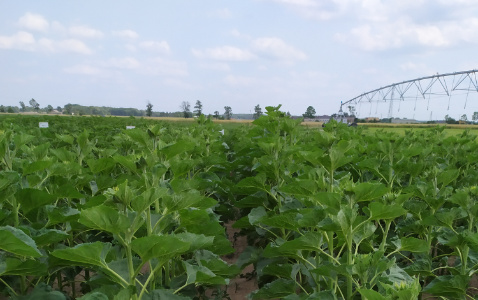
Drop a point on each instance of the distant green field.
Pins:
(402, 130)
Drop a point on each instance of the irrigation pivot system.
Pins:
(423, 88)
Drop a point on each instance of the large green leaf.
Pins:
(446, 177)
(69, 191)
(84, 254)
(368, 294)
(42, 292)
(36, 166)
(411, 244)
(310, 241)
(49, 236)
(15, 241)
(100, 164)
(28, 267)
(63, 154)
(368, 191)
(448, 286)
(278, 270)
(276, 289)
(31, 199)
(161, 247)
(128, 162)
(379, 211)
(164, 295)
(147, 198)
(65, 138)
(216, 264)
(196, 241)
(202, 275)
(93, 296)
(22, 138)
(324, 295)
(256, 215)
(287, 220)
(104, 218)
(250, 185)
(183, 200)
(8, 178)
(177, 148)
(329, 200)
(57, 215)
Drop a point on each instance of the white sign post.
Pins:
(43, 124)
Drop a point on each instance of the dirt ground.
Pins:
(239, 287)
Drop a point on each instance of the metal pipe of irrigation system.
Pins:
(409, 81)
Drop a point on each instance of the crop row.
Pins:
(90, 210)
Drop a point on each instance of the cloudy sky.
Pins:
(236, 53)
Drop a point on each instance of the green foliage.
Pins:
(309, 113)
(332, 213)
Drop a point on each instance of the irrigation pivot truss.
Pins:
(423, 88)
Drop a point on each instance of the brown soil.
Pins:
(239, 287)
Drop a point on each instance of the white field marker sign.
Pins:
(43, 124)
(221, 131)
(130, 127)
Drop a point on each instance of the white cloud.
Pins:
(302, 3)
(380, 36)
(161, 46)
(72, 45)
(176, 83)
(225, 53)
(123, 63)
(410, 66)
(130, 47)
(85, 32)
(57, 27)
(219, 66)
(240, 81)
(163, 67)
(321, 10)
(222, 13)
(33, 22)
(431, 36)
(68, 45)
(236, 33)
(277, 48)
(127, 33)
(21, 41)
(83, 70)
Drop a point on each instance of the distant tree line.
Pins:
(185, 112)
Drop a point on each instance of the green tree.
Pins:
(49, 108)
(475, 116)
(23, 107)
(186, 109)
(34, 104)
(216, 114)
(463, 118)
(2, 108)
(68, 109)
(198, 108)
(227, 112)
(149, 109)
(450, 120)
(59, 108)
(309, 113)
(10, 110)
(257, 112)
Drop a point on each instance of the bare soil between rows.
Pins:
(241, 286)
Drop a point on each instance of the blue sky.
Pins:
(236, 53)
